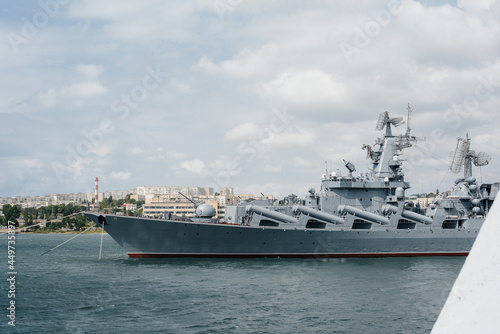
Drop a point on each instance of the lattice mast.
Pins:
(464, 157)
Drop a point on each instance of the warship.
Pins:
(368, 215)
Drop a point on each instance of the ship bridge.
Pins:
(383, 183)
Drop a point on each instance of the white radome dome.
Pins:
(205, 211)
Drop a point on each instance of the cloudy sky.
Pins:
(255, 95)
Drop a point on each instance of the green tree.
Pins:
(67, 221)
(70, 209)
(53, 211)
(29, 214)
(79, 222)
(11, 213)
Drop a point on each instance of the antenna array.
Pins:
(462, 153)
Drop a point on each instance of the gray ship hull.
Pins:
(145, 237)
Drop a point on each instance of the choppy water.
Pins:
(70, 290)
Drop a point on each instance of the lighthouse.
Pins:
(96, 200)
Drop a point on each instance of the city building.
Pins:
(117, 194)
(158, 199)
(172, 190)
(178, 205)
(53, 199)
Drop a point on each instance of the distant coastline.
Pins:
(97, 230)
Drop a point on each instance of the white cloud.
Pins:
(47, 98)
(304, 88)
(102, 48)
(194, 166)
(103, 148)
(174, 155)
(30, 163)
(268, 188)
(299, 162)
(487, 142)
(84, 90)
(475, 4)
(273, 168)
(132, 22)
(179, 86)
(121, 176)
(267, 139)
(246, 63)
(137, 150)
(296, 138)
(242, 132)
(89, 71)
(159, 154)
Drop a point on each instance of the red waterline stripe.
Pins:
(345, 255)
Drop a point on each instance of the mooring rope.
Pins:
(102, 235)
(20, 228)
(39, 224)
(88, 228)
(73, 214)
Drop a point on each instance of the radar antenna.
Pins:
(481, 159)
(457, 157)
(381, 121)
(464, 156)
(385, 121)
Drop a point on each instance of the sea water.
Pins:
(71, 290)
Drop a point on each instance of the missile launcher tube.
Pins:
(408, 214)
(372, 217)
(271, 214)
(317, 214)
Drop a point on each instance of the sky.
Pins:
(261, 96)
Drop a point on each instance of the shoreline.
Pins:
(66, 232)
(96, 230)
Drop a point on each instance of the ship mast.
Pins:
(386, 161)
(408, 129)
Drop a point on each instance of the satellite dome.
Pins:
(471, 179)
(477, 210)
(205, 211)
